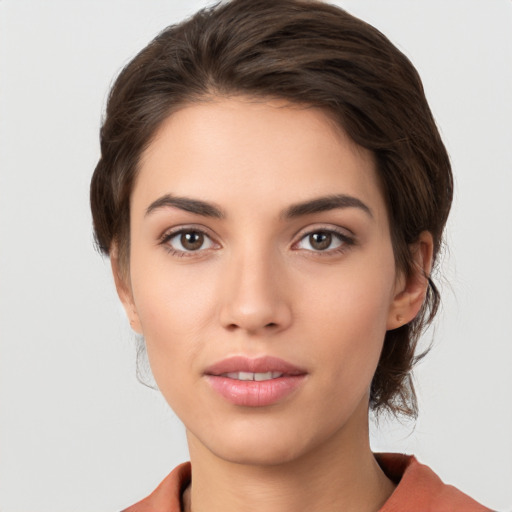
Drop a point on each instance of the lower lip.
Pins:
(250, 393)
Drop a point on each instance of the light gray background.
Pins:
(78, 433)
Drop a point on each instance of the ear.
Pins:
(410, 291)
(124, 290)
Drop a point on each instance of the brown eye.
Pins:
(192, 240)
(321, 240)
(188, 241)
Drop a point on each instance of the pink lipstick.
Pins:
(254, 382)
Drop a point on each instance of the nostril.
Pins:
(235, 326)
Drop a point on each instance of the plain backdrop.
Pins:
(77, 431)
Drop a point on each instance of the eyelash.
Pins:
(345, 241)
(169, 235)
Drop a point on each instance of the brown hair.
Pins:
(310, 53)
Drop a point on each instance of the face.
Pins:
(262, 277)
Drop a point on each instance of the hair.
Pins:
(308, 53)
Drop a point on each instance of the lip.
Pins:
(254, 365)
(250, 393)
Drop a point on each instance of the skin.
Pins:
(260, 285)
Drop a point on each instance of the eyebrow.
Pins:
(317, 205)
(323, 204)
(187, 204)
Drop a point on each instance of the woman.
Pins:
(272, 193)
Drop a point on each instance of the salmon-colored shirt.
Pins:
(418, 489)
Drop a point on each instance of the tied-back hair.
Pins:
(312, 54)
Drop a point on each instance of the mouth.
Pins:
(256, 382)
(260, 368)
(258, 377)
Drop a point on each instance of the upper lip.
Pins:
(253, 365)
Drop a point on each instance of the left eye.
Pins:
(321, 241)
(189, 241)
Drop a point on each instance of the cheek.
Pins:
(174, 307)
(170, 296)
(357, 296)
(348, 317)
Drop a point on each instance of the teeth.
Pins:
(263, 376)
(253, 376)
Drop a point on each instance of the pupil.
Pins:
(192, 240)
(320, 241)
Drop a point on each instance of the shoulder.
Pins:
(419, 488)
(167, 496)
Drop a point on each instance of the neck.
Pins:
(341, 474)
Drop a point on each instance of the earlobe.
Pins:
(411, 290)
(124, 291)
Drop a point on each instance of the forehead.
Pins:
(247, 151)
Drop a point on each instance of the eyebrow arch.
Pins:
(323, 204)
(187, 204)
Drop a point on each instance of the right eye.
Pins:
(188, 241)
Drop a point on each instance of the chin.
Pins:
(278, 435)
(259, 453)
(259, 443)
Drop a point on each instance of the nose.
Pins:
(254, 297)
